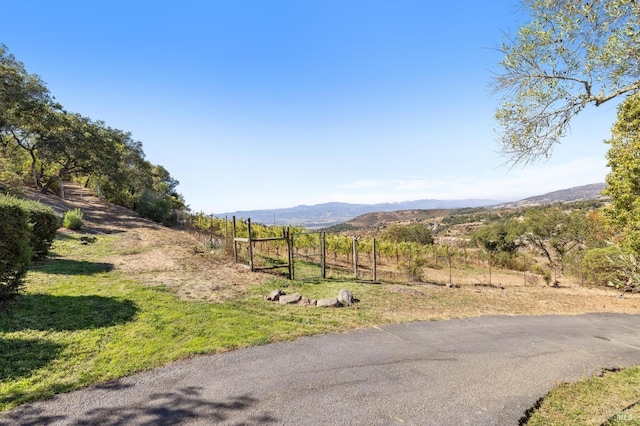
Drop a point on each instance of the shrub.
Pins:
(415, 233)
(598, 267)
(156, 207)
(627, 266)
(414, 268)
(44, 226)
(512, 261)
(15, 248)
(73, 219)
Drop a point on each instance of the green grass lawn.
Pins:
(610, 399)
(79, 322)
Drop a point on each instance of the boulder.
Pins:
(275, 295)
(290, 298)
(345, 297)
(330, 302)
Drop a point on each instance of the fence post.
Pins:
(355, 257)
(435, 254)
(250, 245)
(465, 256)
(490, 266)
(375, 261)
(449, 260)
(211, 224)
(290, 253)
(235, 243)
(323, 255)
(226, 236)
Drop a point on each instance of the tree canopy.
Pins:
(42, 143)
(415, 233)
(624, 179)
(572, 53)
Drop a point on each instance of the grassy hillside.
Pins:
(142, 295)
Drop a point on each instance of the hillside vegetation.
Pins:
(140, 295)
(44, 146)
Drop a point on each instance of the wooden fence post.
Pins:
(375, 261)
(235, 243)
(449, 261)
(290, 253)
(323, 255)
(355, 257)
(250, 245)
(490, 266)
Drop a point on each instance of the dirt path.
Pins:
(154, 253)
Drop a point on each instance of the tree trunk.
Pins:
(45, 189)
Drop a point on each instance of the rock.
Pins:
(345, 297)
(313, 302)
(87, 239)
(304, 301)
(290, 298)
(275, 295)
(331, 302)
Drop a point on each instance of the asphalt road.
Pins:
(478, 371)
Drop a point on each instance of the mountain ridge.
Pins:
(591, 191)
(333, 213)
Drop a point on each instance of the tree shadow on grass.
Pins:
(168, 408)
(20, 357)
(71, 267)
(66, 313)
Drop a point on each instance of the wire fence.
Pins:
(303, 255)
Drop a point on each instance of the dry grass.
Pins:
(157, 255)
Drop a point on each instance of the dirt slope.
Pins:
(152, 252)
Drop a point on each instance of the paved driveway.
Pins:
(477, 371)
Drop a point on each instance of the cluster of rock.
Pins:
(345, 298)
(88, 239)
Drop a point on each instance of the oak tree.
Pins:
(572, 53)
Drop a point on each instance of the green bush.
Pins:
(414, 268)
(156, 207)
(598, 267)
(627, 276)
(73, 219)
(511, 261)
(414, 233)
(44, 226)
(15, 248)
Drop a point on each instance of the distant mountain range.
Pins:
(578, 193)
(328, 214)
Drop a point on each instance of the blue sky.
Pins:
(269, 104)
